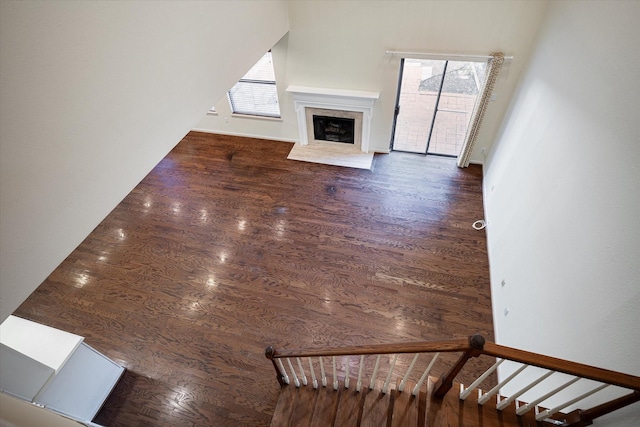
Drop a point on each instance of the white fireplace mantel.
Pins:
(333, 99)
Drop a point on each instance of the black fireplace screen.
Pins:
(333, 129)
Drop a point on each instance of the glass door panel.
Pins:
(448, 133)
(457, 98)
(416, 102)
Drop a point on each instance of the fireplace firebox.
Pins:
(334, 129)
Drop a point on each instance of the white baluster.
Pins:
(525, 408)
(314, 381)
(482, 400)
(465, 393)
(506, 402)
(302, 373)
(296, 381)
(424, 375)
(549, 412)
(375, 373)
(335, 376)
(406, 375)
(385, 387)
(346, 375)
(359, 384)
(285, 377)
(324, 376)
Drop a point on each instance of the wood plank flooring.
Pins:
(227, 247)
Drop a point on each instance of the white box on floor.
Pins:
(54, 369)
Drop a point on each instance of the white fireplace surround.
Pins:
(333, 99)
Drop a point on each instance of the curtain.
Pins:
(494, 64)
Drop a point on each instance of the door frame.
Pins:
(435, 112)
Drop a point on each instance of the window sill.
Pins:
(250, 116)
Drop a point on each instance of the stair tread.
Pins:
(285, 405)
(325, 407)
(453, 412)
(406, 407)
(324, 411)
(303, 411)
(376, 408)
(349, 406)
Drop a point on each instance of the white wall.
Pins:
(561, 194)
(93, 95)
(342, 45)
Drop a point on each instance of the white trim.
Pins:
(449, 56)
(333, 92)
(256, 116)
(244, 135)
(333, 99)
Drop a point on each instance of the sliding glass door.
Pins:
(434, 104)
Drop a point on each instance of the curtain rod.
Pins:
(443, 55)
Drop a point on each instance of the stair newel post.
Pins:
(269, 353)
(444, 384)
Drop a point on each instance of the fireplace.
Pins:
(324, 126)
(334, 129)
(344, 116)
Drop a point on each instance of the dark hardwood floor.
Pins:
(227, 247)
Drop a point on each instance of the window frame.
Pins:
(253, 81)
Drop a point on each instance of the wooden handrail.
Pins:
(564, 366)
(475, 346)
(471, 347)
(587, 416)
(460, 344)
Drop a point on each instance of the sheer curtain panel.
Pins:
(494, 64)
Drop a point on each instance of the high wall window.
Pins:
(255, 94)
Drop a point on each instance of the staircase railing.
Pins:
(404, 372)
